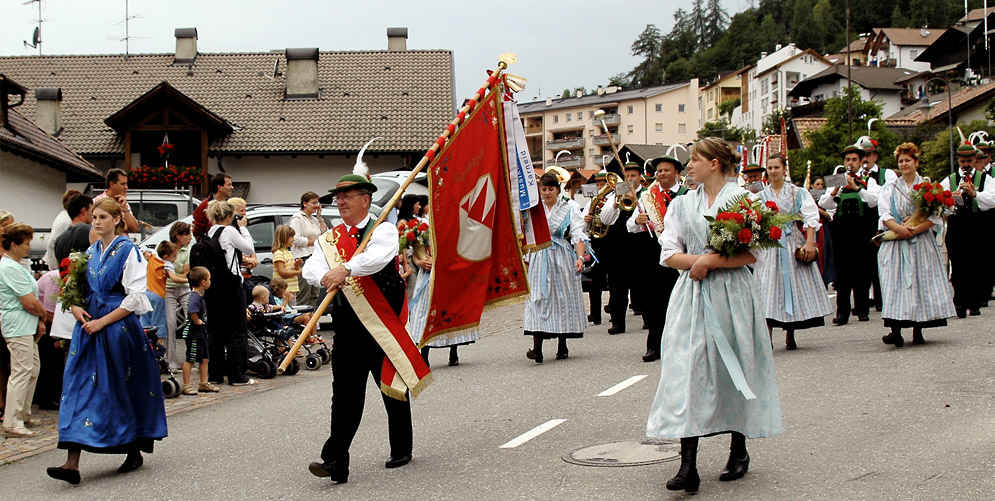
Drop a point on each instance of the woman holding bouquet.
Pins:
(555, 308)
(914, 285)
(717, 368)
(794, 296)
(112, 397)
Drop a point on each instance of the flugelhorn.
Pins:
(597, 228)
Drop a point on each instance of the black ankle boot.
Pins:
(687, 478)
(894, 337)
(453, 356)
(739, 459)
(917, 336)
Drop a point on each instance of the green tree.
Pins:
(728, 106)
(566, 93)
(805, 30)
(899, 19)
(619, 79)
(721, 129)
(826, 142)
(678, 71)
(715, 22)
(647, 47)
(829, 27)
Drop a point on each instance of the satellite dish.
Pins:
(35, 39)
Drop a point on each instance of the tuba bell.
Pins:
(597, 228)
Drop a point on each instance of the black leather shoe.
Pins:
(616, 329)
(560, 355)
(840, 320)
(607, 309)
(594, 320)
(338, 473)
(453, 362)
(863, 318)
(899, 340)
(131, 463)
(735, 467)
(789, 342)
(651, 356)
(917, 338)
(975, 312)
(889, 339)
(394, 462)
(961, 312)
(60, 473)
(531, 355)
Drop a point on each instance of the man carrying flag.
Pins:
(369, 335)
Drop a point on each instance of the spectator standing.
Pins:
(221, 189)
(177, 293)
(51, 354)
(61, 223)
(117, 190)
(308, 225)
(22, 318)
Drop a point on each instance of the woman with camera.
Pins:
(794, 297)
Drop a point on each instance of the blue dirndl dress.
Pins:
(556, 304)
(112, 398)
(717, 365)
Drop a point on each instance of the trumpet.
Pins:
(597, 228)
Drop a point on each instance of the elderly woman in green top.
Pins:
(23, 319)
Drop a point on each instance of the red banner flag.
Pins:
(477, 258)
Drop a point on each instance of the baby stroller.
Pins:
(267, 345)
(170, 386)
(277, 331)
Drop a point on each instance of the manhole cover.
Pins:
(627, 453)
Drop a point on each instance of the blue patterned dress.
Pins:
(556, 307)
(717, 365)
(418, 315)
(794, 296)
(914, 285)
(111, 394)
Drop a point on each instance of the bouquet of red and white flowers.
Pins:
(414, 234)
(745, 224)
(72, 281)
(930, 199)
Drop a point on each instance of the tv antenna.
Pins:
(36, 35)
(127, 33)
(272, 75)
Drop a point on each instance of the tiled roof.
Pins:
(406, 97)
(939, 107)
(593, 99)
(976, 14)
(804, 125)
(911, 36)
(868, 77)
(28, 140)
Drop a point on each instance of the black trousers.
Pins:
(855, 263)
(618, 289)
(53, 364)
(356, 356)
(226, 331)
(661, 281)
(970, 275)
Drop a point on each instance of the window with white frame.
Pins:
(659, 107)
(556, 119)
(629, 129)
(629, 109)
(569, 117)
(659, 127)
(680, 108)
(682, 128)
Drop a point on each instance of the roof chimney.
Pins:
(601, 90)
(49, 110)
(302, 74)
(186, 46)
(578, 93)
(549, 101)
(763, 55)
(397, 39)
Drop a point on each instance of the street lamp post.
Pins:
(950, 115)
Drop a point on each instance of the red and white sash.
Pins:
(403, 368)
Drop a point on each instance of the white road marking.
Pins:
(621, 386)
(533, 433)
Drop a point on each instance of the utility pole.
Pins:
(849, 83)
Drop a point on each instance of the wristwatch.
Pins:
(348, 269)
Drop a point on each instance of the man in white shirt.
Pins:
(355, 353)
(117, 190)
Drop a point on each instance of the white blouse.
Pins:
(305, 227)
(230, 240)
(133, 278)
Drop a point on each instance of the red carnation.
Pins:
(947, 194)
(917, 186)
(775, 233)
(928, 197)
(423, 227)
(738, 217)
(940, 199)
(949, 202)
(744, 236)
(928, 186)
(64, 267)
(410, 235)
(723, 216)
(771, 205)
(413, 223)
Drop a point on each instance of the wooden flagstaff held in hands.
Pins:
(429, 155)
(600, 115)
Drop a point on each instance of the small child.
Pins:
(196, 332)
(279, 287)
(167, 252)
(284, 264)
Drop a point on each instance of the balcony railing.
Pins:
(569, 162)
(574, 143)
(602, 140)
(610, 120)
(533, 129)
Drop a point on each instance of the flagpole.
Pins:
(425, 160)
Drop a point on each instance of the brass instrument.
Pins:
(808, 176)
(597, 228)
(629, 200)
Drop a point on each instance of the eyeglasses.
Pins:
(337, 198)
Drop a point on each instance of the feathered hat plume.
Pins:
(361, 169)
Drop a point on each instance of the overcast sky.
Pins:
(559, 44)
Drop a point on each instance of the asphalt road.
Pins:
(862, 421)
